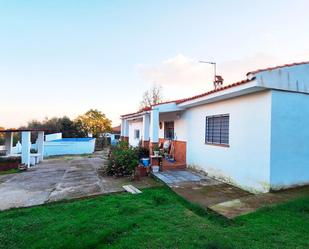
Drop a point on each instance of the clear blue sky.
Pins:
(64, 57)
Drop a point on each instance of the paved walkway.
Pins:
(248, 204)
(61, 179)
(174, 177)
(220, 197)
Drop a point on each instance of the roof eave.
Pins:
(228, 93)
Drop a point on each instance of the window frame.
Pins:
(165, 131)
(220, 143)
(137, 131)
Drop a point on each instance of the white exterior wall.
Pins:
(290, 139)
(246, 163)
(135, 125)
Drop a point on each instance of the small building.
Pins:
(253, 133)
(114, 135)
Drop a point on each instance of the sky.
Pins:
(64, 57)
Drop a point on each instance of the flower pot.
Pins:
(142, 171)
(155, 168)
(156, 153)
(145, 161)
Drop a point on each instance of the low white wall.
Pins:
(290, 139)
(246, 163)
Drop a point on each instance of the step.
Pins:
(166, 165)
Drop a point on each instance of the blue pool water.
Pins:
(85, 139)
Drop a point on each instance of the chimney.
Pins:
(218, 82)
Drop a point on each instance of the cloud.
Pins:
(177, 71)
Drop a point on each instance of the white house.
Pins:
(253, 133)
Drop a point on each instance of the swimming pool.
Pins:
(84, 139)
(69, 146)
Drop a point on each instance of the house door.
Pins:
(169, 130)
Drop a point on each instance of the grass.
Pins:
(9, 171)
(157, 218)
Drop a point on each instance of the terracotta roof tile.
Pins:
(214, 91)
(116, 129)
(140, 111)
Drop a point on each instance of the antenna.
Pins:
(218, 80)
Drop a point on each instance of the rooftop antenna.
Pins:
(218, 80)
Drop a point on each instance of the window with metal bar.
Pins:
(217, 129)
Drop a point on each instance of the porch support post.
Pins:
(9, 143)
(146, 126)
(40, 144)
(122, 129)
(26, 144)
(154, 126)
(126, 130)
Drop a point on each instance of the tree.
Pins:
(1, 136)
(65, 125)
(94, 122)
(152, 96)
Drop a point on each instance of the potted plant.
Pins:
(143, 155)
(156, 150)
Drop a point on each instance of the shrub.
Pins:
(123, 160)
(7, 163)
(142, 152)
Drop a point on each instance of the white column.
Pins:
(40, 144)
(26, 145)
(154, 125)
(146, 126)
(8, 143)
(122, 128)
(126, 128)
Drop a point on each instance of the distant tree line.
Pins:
(65, 125)
(92, 122)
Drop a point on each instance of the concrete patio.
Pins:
(61, 178)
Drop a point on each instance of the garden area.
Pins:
(125, 160)
(157, 218)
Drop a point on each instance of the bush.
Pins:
(123, 160)
(142, 152)
(8, 163)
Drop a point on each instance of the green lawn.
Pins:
(155, 219)
(10, 171)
